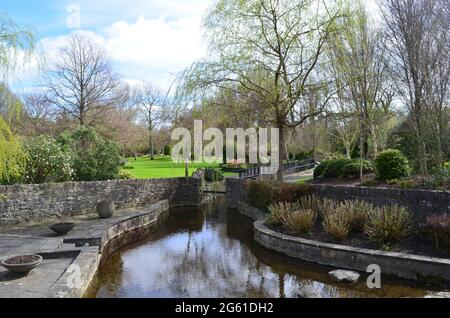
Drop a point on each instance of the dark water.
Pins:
(209, 252)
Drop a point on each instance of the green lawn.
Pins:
(161, 167)
(304, 179)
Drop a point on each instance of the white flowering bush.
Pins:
(47, 161)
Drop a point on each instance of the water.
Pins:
(209, 252)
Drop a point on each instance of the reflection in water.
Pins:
(209, 252)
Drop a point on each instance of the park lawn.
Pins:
(161, 167)
(303, 179)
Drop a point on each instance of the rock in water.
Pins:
(344, 276)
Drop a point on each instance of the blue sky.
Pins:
(146, 39)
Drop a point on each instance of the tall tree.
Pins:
(417, 33)
(360, 71)
(269, 49)
(152, 106)
(82, 83)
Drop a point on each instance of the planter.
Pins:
(105, 209)
(62, 228)
(22, 264)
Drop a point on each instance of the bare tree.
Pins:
(38, 114)
(83, 84)
(417, 31)
(152, 105)
(269, 49)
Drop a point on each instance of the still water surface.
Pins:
(209, 252)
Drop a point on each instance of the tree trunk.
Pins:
(151, 152)
(281, 154)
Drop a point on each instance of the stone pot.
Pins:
(22, 264)
(62, 228)
(105, 209)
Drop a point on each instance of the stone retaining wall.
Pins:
(414, 267)
(24, 203)
(420, 202)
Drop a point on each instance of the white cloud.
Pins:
(158, 44)
(148, 49)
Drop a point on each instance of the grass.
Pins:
(162, 167)
(303, 179)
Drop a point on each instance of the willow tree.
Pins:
(12, 156)
(17, 44)
(17, 47)
(269, 49)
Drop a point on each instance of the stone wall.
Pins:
(24, 203)
(236, 191)
(420, 202)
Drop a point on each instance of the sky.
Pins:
(146, 40)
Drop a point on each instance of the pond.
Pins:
(209, 252)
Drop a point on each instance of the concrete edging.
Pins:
(79, 275)
(408, 266)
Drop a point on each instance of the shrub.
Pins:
(340, 168)
(94, 157)
(327, 206)
(280, 211)
(407, 184)
(167, 150)
(439, 229)
(300, 221)
(336, 225)
(260, 194)
(12, 156)
(47, 161)
(388, 224)
(352, 168)
(302, 155)
(290, 192)
(356, 213)
(213, 175)
(310, 202)
(368, 183)
(125, 175)
(391, 164)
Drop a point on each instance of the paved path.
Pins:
(293, 178)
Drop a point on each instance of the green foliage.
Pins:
(302, 155)
(47, 161)
(388, 224)
(167, 150)
(342, 168)
(213, 175)
(260, 194)
(94, 157)
(12, 156)
(125, 175)
(392, 164)
(368, 183)
(15, 43)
